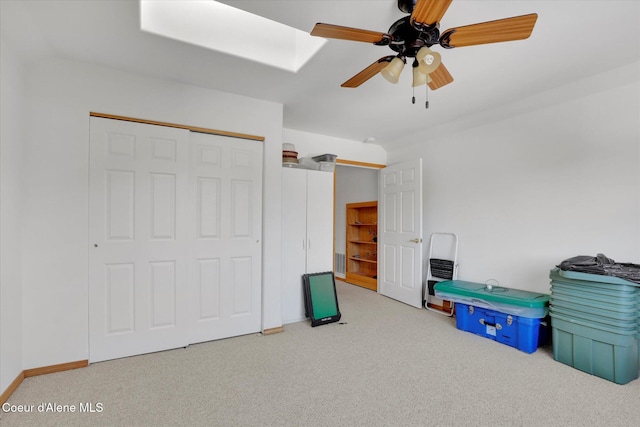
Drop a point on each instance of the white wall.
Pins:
(60, 95)
(11, 142)
(311, 144)
(529, 191)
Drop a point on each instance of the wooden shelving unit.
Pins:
(362, 245)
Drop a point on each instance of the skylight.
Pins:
(226, 29)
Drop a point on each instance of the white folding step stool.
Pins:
(442, 265)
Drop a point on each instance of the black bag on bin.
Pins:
(601, 264)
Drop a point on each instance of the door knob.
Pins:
(416, 240)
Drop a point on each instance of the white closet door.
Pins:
(138, 251)
(225, 278)
(319, 222)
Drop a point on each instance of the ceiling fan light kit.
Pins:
(392, 72)
(428, 60)
(419, 78)
(412, 37)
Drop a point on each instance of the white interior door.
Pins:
(400, 232)
(138, 251)
(225, 275)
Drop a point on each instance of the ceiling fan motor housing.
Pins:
(406, 6)
(407, 40)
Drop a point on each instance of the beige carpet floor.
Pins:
(384, 364)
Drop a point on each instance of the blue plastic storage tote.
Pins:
(522, 333)
(508, 316)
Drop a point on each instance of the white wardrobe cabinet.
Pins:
(307, 233)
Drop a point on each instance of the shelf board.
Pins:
(362, 226)
(373, 261)
(366, 281)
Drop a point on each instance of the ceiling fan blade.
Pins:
(501, 30)
(368, 72)
(429, 12)
(440, 77)
(347, 33)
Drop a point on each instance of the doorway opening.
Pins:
(353, 183)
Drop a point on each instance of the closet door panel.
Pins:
(294, 243)
(319, 222)
(225, 275)
(138, 248)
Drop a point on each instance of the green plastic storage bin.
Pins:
(594, 280)
(607, 354)
(607, 322)
(629, 315)
(588, 304)
(592, 322)
(610, 297)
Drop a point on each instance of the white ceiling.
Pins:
(572, 40)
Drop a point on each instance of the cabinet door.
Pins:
(319, 222)
(294, 242)
(307, 234)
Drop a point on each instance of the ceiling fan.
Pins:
(412, 37)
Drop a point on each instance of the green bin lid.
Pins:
(623, 300)
(586, 278)
(497, 294)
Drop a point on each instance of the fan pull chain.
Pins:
(426, 94)
(413, 98)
